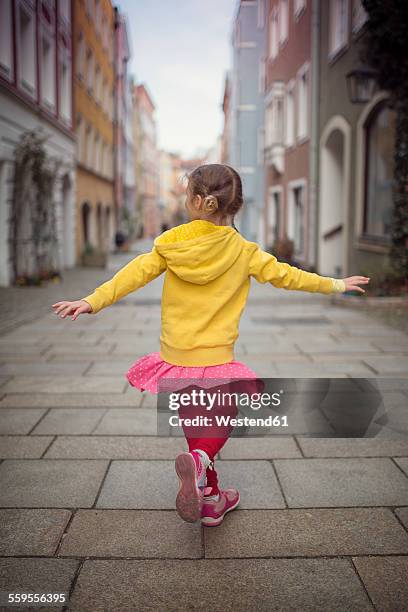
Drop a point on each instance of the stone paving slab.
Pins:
(40, 483)
(112, 366)
(8, 350)
(255, 480)
(313, 483)
(389, 364)
(65, 384)
(154, 484)
(23, 447)
(352, 447)
(37, 368)
(403, 463)
(270, 585)
(72, 348)
(128, 421)
(33, 575)
(31, 531)
(307, 533)
(282, 447)
(385, 579)
(402, 514)
(71, 421)
(19, 421)
(122, 533)
(71, 400)
(115, 447)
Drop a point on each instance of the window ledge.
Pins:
(336, 55)
(365, 244)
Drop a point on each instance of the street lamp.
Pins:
(361, 84)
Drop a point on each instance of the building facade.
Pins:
(356, 152)
(149, 161)
(246, 109)
(93, 85)
(288, 118)
(36, 94)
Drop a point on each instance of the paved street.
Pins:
(87, 489)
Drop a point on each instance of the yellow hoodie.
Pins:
(208, 273)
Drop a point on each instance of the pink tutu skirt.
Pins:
(146, 372)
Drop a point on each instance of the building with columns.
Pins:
(93, 86)
(36, 94)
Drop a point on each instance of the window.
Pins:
(283, 21)
(65, 90)
(298, 7)
(97, 166)
(380, 144)
(90, 71)
(6, 42)
(26, 48)
(359, 16)
(274, 122)
(104, 32)
(89, 146)
(48, 71)
(80, 138)
(80, 55)
(65, 10)
(98, 78)
(90, 8)
(274, 215)
(290, 115)
(338, 26)
(303, 104)
(98, 16)
(273, 34)
(297, 191)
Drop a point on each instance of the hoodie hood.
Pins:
(199, 251)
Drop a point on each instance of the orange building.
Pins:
(93, 85)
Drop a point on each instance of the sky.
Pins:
(181, 51)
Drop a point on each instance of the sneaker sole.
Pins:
(189, 500)
(209, 521)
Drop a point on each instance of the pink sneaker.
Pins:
(213, 511)
(191, 471)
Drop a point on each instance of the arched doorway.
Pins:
(67, 229)
(86, 222)
(99, 226)
(334, 197)
(108, 229)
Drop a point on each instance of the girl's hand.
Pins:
(352, 283)
(75, 308)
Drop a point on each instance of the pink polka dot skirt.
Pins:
(146, 372)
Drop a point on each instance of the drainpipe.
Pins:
(314, 142)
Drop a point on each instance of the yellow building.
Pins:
(93, 84)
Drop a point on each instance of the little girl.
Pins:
(208, 266)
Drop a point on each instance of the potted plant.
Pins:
(93, 257)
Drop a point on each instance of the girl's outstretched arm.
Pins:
(134, 275)
(265, 268)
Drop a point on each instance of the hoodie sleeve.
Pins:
(265, 268)
(134, 275)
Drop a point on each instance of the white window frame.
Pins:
(29, 85)
(6, 40)
(274, 33)
(334, 23)
(283, 21)
(359, 16)
(290, 114)
(303, 114)
(292, 185)
(298, 7)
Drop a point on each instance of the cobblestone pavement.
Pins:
(87, 488)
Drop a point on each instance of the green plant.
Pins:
(89, 249)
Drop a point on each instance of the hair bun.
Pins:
(210, 204)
